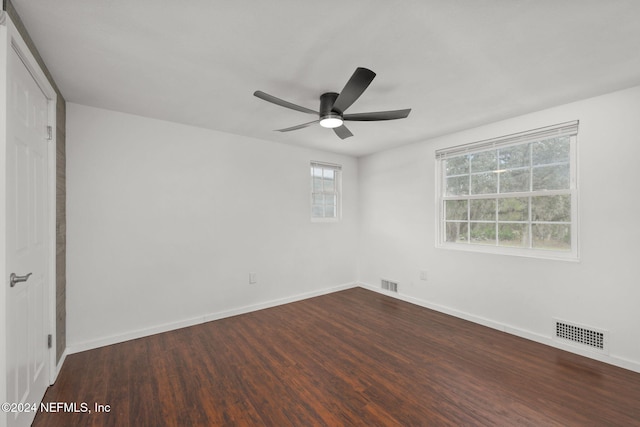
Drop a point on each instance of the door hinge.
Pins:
(49, 341)
(49, 133)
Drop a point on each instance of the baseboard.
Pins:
(59, 365)
(276, 302)
(145, 332)
(532, 336)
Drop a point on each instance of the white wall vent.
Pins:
(584, 336)
(388, 285)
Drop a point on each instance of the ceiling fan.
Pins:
(333, 105)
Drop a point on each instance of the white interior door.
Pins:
(27, 234)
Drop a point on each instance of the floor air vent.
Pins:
(592, 338)
(388, 285)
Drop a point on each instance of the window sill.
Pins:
(325, 219)
(570, 256)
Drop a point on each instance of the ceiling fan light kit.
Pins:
(331, 120)
(333, 105)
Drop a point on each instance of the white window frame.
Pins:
(335, 192)
(568, 129)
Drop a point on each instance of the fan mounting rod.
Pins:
(328, 117)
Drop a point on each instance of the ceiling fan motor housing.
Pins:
(326, 105)
(329, 118)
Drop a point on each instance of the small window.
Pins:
(325, 191)
(512, 195)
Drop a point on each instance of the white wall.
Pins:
(519, 295)
(166, 221)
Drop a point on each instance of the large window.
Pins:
(513, 195)
(325, 191)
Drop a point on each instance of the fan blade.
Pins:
(359, 81)
(378, 115)
(342, 132)
(304, 125)
(282, 102)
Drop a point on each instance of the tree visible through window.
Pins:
(325, 191)
(514, 192)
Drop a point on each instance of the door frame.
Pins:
(10, 38)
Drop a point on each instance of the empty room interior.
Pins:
(298, 213)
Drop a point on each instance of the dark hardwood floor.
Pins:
(350, 358)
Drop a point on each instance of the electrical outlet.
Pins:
(423, 275)
(253, 278)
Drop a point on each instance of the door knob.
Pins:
(14, 280)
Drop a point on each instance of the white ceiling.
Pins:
(457, 64)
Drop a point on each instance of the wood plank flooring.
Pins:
(352, 358)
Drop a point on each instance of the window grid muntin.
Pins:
(496, 221)
(329, 191)
(499, 172)
(571, 191)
